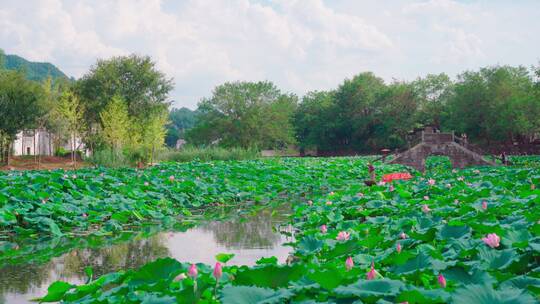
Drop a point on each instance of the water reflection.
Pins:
(250, 238)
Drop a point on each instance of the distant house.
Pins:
(41, 142)
(33, 142)
(180, 143)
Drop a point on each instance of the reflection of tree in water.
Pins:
(247, 233)
(129, 255)
(21, 279)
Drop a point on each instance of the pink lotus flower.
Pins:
(425, 208)
(426, 198)
(461, 178)
(492, 240)
(343, 236)
(441, 280)
(146, 184)
(101, 174)
(484, 205)
(85, 215)
(448, 186)
(349, 264)
(431, 182)
(328, 203)
(454, 171)
(533, 186)
(391, 188)
(310, 203)
(371, 273)
(324, 229)
(360, 194)
(398, 248)
(218, 271)
(403, 235)
(332, 193)
(381, 183)
(74, 176)
(171, 178)
(192, 272)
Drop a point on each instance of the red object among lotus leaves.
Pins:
(387, 178)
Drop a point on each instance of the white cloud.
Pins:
(300, 45)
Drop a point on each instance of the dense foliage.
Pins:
(366, 114)
(459, 236)
(19, 107)
(246, 115)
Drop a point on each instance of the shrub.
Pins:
(207, 154)
(108, 158)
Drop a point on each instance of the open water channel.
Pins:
(248, 237)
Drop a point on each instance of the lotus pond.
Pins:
(446, 236)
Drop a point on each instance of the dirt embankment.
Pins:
(45, 163)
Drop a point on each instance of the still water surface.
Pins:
(249, 238)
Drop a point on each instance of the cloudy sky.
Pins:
(299, 45)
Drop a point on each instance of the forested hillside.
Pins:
(37, 71)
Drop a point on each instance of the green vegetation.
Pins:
(362, 115)
(246, 115)
(180, 120)
(36, 71)
(191, 153)
(365, 114)
(19, 107)
(424, 240)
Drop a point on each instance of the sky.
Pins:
(300, 45)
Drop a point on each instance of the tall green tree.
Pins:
(494, 104)
(153, 137)
(19, 107)
(134, 79)
(245, 114)
(70, 114)
(313, 121)
(115, 123)
(355, 110)
(432, 93)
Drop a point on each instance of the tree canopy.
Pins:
(245, 114)
(133, 78)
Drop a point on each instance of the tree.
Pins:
(355, 109)
(432, 93)
(245, 114)
(115, 124)
(313, 122)
(19, 107)
(134, 79)
(70, 115)
(154, 134)
(503, 101)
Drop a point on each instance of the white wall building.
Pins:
(33, 142)
(40, 142)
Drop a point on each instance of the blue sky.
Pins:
(299, 45)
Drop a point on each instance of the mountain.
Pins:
(34, 70)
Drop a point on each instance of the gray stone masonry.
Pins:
(440, 144)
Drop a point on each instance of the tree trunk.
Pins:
(38, 159)
(73, 149)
